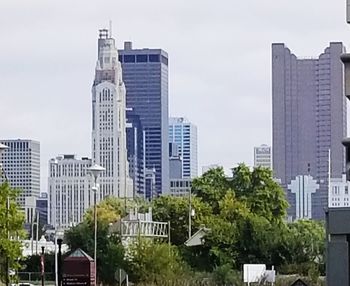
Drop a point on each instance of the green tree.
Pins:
(11, 225)
(147, 261)
(176, 210)
(262, 194)
(211, 187)
(110, 251)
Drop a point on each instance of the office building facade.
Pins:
(262, 156)
(184, 134)
(70, 190)
(339, 196)
(135, 144)
(180, 187)
(309, 120)
(21, 164)
(145, 74)
(175, 162)
(109, 121)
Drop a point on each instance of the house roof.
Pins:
(79, 254)
(299, 282)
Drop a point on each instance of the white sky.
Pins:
(219, 55)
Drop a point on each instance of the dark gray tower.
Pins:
(145, 74)
(309, 119)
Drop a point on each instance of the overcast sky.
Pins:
(219, 65)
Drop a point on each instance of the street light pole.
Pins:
(2, 172)
(42, 262)
(59, 242)
(189, 214)
(95, 171)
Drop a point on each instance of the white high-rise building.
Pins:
(184, 134)
(109, 121)
(338, 193)
(70, 193)
(262, 156)
(21, 164)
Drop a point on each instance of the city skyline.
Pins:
(65, 79)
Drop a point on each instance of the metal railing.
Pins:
(35, 277)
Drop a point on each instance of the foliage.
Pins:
(110, 252)
(11, 225)
(245, 215)
(176, 210)
(147, 261)
(225, 275)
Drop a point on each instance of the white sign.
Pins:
(253, 273)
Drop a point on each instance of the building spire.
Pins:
(110, 28)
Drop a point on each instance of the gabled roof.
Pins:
(197, 238)
(299, 282)
(79, 254)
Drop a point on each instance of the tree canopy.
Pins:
(11, 229)
(245, 214)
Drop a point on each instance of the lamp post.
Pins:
(2, 173)
(95, 171)
(59, 238)
(54, 212)
(191, 213)
(42, 263)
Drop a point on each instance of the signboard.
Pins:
(253, 273)
(76, 281)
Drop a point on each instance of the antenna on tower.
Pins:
(110, 28)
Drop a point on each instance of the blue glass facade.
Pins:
(145, 74)
(135, 151)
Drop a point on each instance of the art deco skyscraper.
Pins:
(109, 121)
(309, 120)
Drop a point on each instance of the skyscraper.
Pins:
(109, 121)
(136, 151)
(145, 73)
(309, 119)
(262, 156)
(21, 163)
(184, 134)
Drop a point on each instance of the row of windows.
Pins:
(151, 58)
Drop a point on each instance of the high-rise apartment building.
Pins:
(184, 134)
(109, 121)
(309, 120)
(21, 163)
(70, 193)
(262, 156)
(145, 73)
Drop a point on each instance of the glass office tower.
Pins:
(145, 74)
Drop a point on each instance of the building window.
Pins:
(154, 58)
(346, 190)
(141, 58)
(129, 58)
(164, 60)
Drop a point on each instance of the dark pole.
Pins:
(42, 260)
(59, 262)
